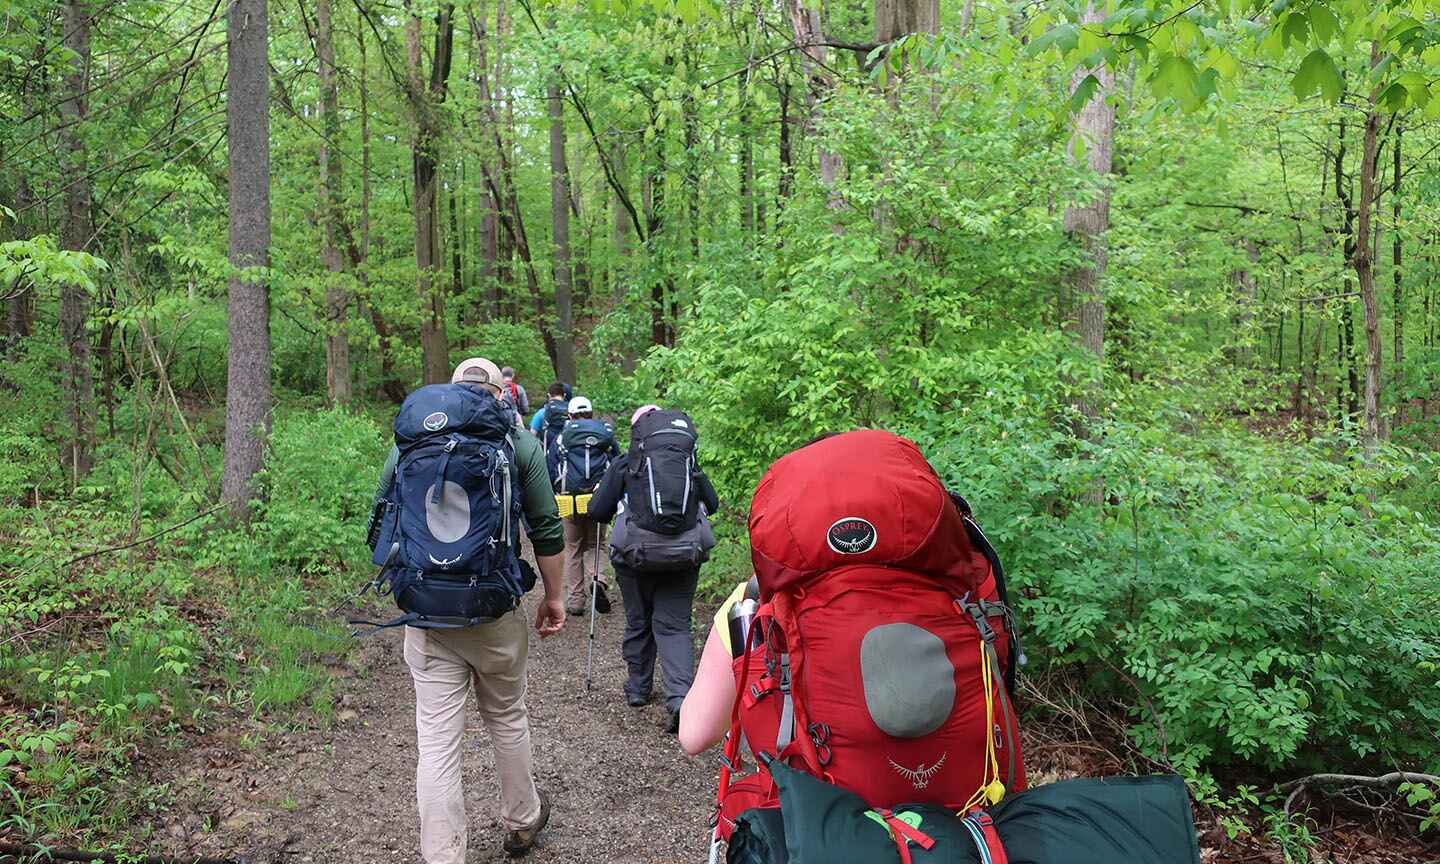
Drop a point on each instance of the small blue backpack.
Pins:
(454, 508)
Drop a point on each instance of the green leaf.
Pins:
(1296, 29)
(1393, 97)
(1175, 78)
(1080, 97)
(1318, 72)
(1323, 24)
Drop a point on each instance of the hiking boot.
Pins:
(602, 600)
(637, 701)
(573, 609)
(519, 842)
(673, 727)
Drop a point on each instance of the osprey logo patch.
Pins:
(920, 776)
(851, 535)
(435, 422)
(591, 441)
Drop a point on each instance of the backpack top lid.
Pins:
(587, 433)
(864, 497)
(643, 432)
(440, 409)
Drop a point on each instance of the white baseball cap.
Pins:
(579, 405)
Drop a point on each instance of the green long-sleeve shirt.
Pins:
(537, 497)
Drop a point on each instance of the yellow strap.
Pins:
(992, 789)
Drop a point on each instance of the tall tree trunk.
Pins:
(490, 238)
(654, 200)
(560, 231)
(786, 181)
(1345, 338)
(425, 98)
(19, 307)
(247, 394)
(1244, 297)
(747, 162)
(1364, 263)
(1090, 222)
(337, 295)
(454, 239)
(1397, 274)
(75, 234)
(809, 34)
(391, 385)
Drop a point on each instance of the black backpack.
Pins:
(555, 419)
(584, 454)
(454, 509)
(660, 489)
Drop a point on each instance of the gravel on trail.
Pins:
(621, 788)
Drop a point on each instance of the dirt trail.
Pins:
(622, 789)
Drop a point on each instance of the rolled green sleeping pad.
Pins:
(1118, 820)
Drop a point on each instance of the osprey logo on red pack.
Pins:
(851, 535)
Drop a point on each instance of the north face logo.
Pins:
(851, 535)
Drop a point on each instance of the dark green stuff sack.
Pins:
(1136, 820)
(1121, 820)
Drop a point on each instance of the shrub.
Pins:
(320, 476)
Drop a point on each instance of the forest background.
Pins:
(1153, 284)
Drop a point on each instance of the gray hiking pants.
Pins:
(657, 618)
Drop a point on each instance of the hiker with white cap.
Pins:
(582, 452)
(660, 502)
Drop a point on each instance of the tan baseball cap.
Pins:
(478, 370)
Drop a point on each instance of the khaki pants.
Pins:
(581, 558)
(446, 665)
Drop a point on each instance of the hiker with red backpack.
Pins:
(868, 668)
(660, 502)
(513, 392)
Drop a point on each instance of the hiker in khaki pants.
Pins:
(446, 664)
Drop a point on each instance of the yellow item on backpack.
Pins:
(573, 505)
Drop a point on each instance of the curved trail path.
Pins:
(621, 788)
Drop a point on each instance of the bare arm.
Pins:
(705, 714)
(550, 616)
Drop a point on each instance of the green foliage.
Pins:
(321, 471)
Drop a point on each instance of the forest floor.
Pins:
(621, 788)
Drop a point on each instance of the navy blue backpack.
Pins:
(585, 448)
(454, 508)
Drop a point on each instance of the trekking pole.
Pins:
(594, 589)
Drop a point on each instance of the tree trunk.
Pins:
(391, 385)
(809, 34)
(19, 308)
(1095, 129)
(1345, 339)
(337, 296)
(1243, 316)
(786, 182)
(1364, 263)
(1398, 276)
(247, 394)
(75, 234)
(747, 162)
(425, 99)
(560, 231)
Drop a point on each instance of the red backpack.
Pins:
(879, 656)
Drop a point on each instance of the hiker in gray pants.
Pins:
(657, 618)
(657, 602)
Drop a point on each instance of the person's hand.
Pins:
(549, 617)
